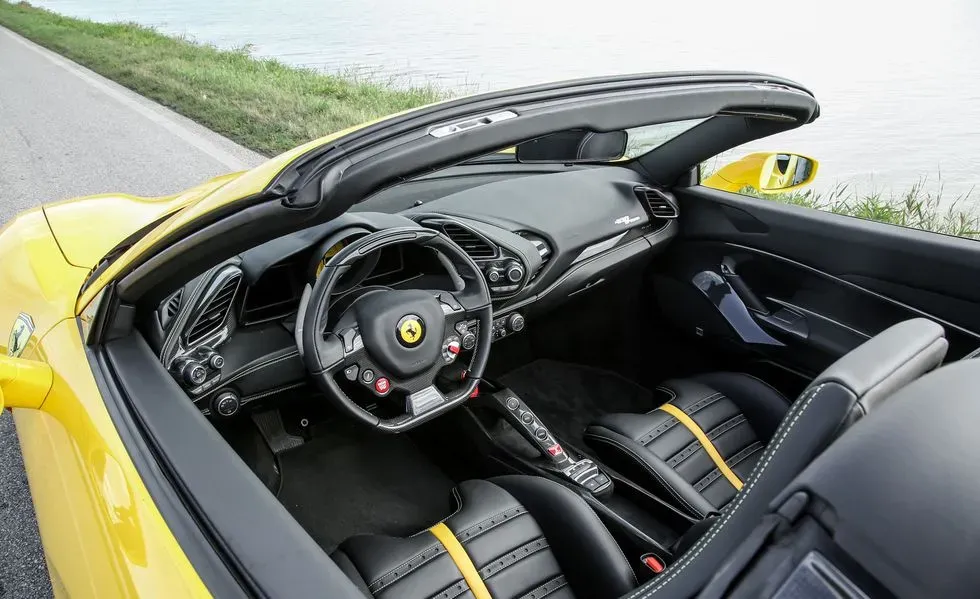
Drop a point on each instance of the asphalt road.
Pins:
(67, 132)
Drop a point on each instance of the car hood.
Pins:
(88, 228)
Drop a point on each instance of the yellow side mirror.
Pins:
(766, 172)
(23, 383)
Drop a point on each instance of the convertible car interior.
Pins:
(605, 368)
(525, 379)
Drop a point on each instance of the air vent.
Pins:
(214, 311)
(471, 243)
(656, 202)
(170, 308)
(544, 250)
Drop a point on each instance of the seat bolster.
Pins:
(590, 558)
(617, 449)
(348, 568)
(763, 406)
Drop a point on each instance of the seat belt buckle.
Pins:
(654, 563)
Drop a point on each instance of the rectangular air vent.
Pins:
(214, 311)
(544, 250)
(471, 243)
(170, 308)
(656, 202)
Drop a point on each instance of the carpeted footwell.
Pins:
(337, 487)
(567, 397)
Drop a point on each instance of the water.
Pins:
(899, 87)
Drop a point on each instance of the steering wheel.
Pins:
(397, 340)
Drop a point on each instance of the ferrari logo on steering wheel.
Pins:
(410, 330)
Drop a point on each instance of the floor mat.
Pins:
(568, 396)
(337, 487)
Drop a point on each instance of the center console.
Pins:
(646, 527)
(579, 470)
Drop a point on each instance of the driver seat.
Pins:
(514, 537)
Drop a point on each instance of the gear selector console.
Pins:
(581, 471)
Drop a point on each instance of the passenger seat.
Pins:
(698, 446)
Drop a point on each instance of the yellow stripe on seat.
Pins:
(705, 442)
(462, 560)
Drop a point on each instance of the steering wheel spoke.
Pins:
(340, 350)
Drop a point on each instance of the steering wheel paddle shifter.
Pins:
(397, 340)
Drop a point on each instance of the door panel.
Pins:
(802, 287)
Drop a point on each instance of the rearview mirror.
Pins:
(766, 172)
(23, 383)
(574, 145)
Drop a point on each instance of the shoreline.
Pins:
(270, 107)
(260, 103)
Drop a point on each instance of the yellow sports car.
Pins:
(399, 362)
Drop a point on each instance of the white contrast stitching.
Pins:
(695, 551)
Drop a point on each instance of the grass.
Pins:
(917, 207)
(270, 107)
(260, 103)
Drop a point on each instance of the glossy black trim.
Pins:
(853, 286)
(728, 303)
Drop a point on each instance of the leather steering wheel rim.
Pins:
(326, 353)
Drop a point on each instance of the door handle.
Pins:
(741, 288)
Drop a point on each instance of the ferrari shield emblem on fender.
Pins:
(22, 331)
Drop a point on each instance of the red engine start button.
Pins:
(382, 385)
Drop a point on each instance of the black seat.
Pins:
(738, 415)
(522, 537)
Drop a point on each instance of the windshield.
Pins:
(640, 140)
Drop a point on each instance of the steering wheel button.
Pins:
(367, 376)
(350, 373)
(453, 347)
(382, 386)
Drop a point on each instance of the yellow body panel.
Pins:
(244, 185)
(102, 534)
(88, 228)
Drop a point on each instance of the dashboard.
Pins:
(227, 336)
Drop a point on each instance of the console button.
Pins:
(216, 361)
(601, 479)
(382, 386)
(350, 373)
(194, 373)
(591, 484)
(515, 273)
(367, 376)
(555, 450)
(515, 322)
(513, 403)
(541, 433)
(527, 418)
